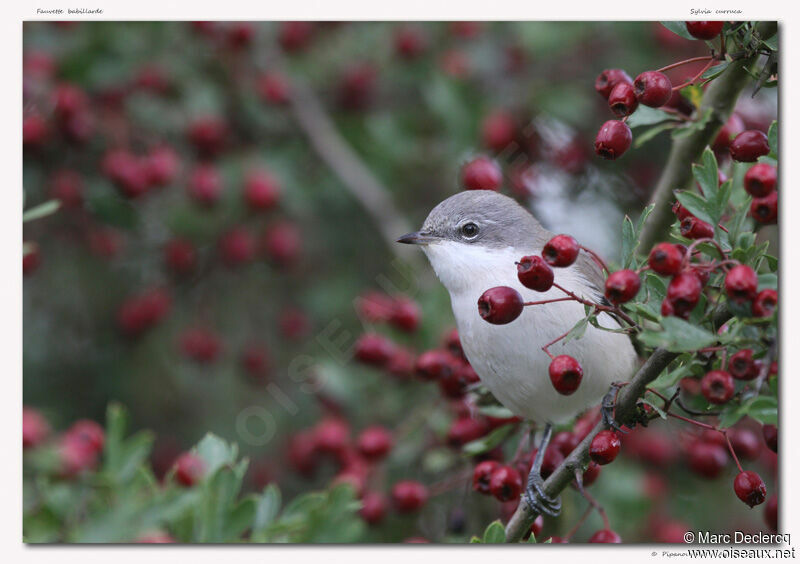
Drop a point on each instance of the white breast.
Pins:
(508, 358)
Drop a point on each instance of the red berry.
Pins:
(161, 166)
(622, 100)
(733, 127)
(482, 475)
(693, 228)
(302, 453)
(760, 180)
(35, 427)
(409, 496)
(452, 343)
(613, 139)
(561, 250)
(605, 536)
(481, 174)
(741, 366)
(295, 36)
(681, 211)
(208, 135)
(31, 259)
(537, 526)
(505, 483)
(604, 447)
(89, 433)
(357, 86)
(283, 242)
(240, 34)
(745, 443)
(534, 273)
(189, 469)
(66, 186)
(465, 430)
(200, 345)
(750, 488)
(765, 303)
(765, 210)
(455, 382)
(608, 79)
(591, 474)
(261, 190)
(771, 513)
(256, 362)
(499, 130)
(565, 442)
(741, 283)
(373, 349)
(704, 30)
(622, 286)
(156, 537)
(435, 364)
(373, 508)
(34, 131)
(666, 259)
(405, 314)
(237, 247)
(749, 145)
(770, 433)
(75, 455)
(180, 255)
(683, 293)
(205, 185)
(332, 436)
(273, 88)
(409, 42)
(374, 443)
(565, 374)
(652, 88)
(707, 459)
(717, 386)
(500, 305)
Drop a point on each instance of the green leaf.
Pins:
(768, 280)
(216, 453)
(42, 210)
(630, 236)
(696, 204)
(240, 519)
(645, 115)
(678, 336)
(707, 174)
(494, 533)
(267, 507)
(498, 411)
(644, 137)
(488, 442)
(678, 28)
(763, 409)
(577, 330)
(772, 137)
(715, 71)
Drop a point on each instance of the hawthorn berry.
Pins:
(373, 349)
(499, 130)
(435, 364)
(707, 459)
(608, 79)
(565, 374)
(565, 442)
(534, 273)
(67, 187)
(161, 166)
(200, 345)
(505, 483)
(302, 453)
(452, 343)
(75, 455)
(717, 386)
(666, 259)
(35, 427)
(745, 443)
(765, 303)
(205, 185)
(295, 36)
(34, 131)
(749, 145)
(760, 180)
(208, 134)
(255, 361)
(409, 496)
(31, 259)
(561, 250)
(273, 88)
(409, 42)
(537, 526)
(373, 508)
(464, 430)
(261, 190)
(750, 488)
(551, 460)
(500, 305)
(606, 536)
(694, 228)
(681, 211)
(591, 474)
(622, 286)
(357, 86)
(683, 293)
(481, 174)
(733, 127)
(374, 443)
(622, 100)
(652, 88)
(765, 210)
(770, 433)
(237, 247)
(180, 255)
(282, 242)
(155, 537)
(482, 476)
(704, 30)
(741, 283)
(612, 140)
(604, 447)
(332, 436)
(405, 314)
(189, 469)
(455, 382)
(741, 365)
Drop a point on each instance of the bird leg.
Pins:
(608, 405)
(537, 499)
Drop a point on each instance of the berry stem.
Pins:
(733, 453)
(596, 257)
(693, 422)
(540, 302)
(696, 77)
(685, 62)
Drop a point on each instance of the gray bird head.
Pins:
(483, 218)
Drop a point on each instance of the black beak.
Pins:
(416, 238)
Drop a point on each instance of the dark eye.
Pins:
(469, 230)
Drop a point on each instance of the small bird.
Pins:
(473, 241)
